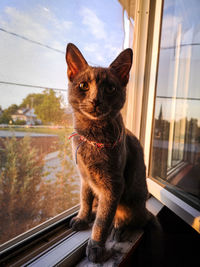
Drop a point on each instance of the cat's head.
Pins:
(97, 93)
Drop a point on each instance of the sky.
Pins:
(95, 27)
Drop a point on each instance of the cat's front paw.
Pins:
(96, 252)
(78, 224)
(119, 234)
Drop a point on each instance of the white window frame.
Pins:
(143, 107)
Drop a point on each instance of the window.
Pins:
(32, 77)
(38, 178)
(175, 156)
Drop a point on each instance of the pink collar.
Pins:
(93, 143)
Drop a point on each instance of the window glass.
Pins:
(38, 178)
(176, 138)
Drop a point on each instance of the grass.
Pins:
(57, 131)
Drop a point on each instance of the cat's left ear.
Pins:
(75, 61)
(122, 65)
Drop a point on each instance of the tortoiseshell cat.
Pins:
(109, 157)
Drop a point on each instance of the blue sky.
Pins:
(96, 27)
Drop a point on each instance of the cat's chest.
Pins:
(88, 153)
(94, 159)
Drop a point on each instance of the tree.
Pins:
(20, 122)
(27, 196)
(21, 188)
(32, 100)
(5, 118)
(11, 109)
(49, 110)
(6, 115)
(47, 106)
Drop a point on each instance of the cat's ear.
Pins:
(122, 65)
(75, 61)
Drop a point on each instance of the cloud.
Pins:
(95, 55)
(91, 47)
(39, 24)
(103, 41)
(94, 24)
(21, 22)
(46, 9)
(67, 24)
(28, 63)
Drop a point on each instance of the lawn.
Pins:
(48, 130)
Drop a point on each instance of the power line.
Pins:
(37, 43)
(34, 86)
(31, 41)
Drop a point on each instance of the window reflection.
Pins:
(176, 137)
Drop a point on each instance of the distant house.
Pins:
(27, 115)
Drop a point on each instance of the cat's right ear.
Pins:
(122, 65)
(75, 61)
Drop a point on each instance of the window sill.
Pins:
(64, 253)
(189, 214)
(121, 250)
(36, 241)
(71, 250)
(62, 247)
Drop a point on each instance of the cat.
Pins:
(109, 157)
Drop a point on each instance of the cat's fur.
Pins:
(112, 177)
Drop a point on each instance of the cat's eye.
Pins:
(84, 86)
(110, 89)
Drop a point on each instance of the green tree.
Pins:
(6, 115)
(20, 122)
(5, 118)
(49, 110)
(21, 188)
(32, 100)
(27, 195)
(11, 109)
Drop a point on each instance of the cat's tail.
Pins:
(153, 242)
(152, 222)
